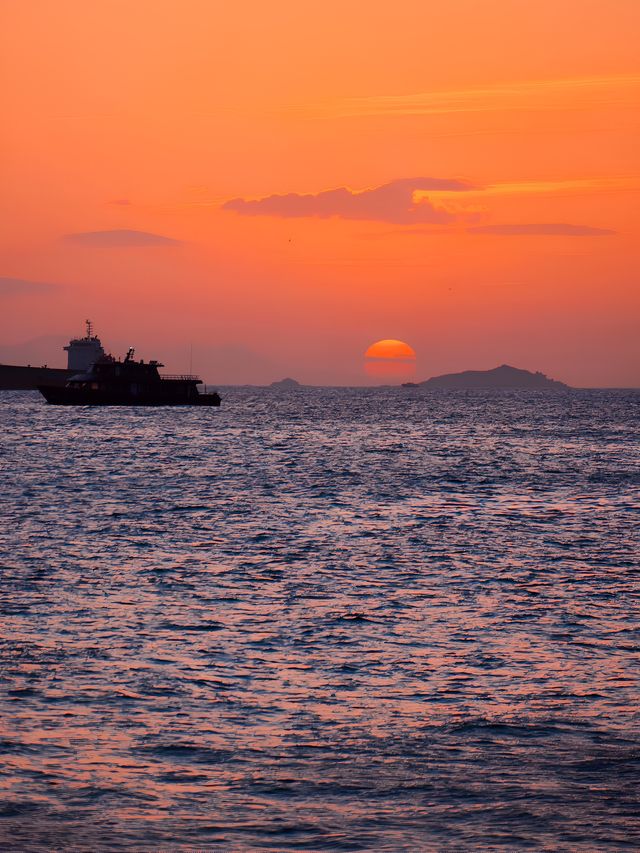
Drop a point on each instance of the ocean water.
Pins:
(330, 619)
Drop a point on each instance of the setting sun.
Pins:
(390, 348)
(390, 360)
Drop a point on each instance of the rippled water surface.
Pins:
(330, 619)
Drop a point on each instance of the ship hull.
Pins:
(82, 397)
(17, 377)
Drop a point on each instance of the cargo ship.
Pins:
(115, 382)
(81, 354)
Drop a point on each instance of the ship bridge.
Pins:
(83, 352)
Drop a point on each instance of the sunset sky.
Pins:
(276, 185)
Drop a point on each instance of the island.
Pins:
(286, 384)
(504, 376)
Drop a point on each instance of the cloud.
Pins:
(392, 202)
(559, 229)
(579, 92)
(538, 187)
(119, 238)
(10, 286)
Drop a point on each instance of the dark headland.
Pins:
(500, 377)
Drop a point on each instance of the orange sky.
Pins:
(462, 176)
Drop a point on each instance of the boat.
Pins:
(115, 382)
(81, 354)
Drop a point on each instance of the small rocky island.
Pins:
(504, 376)
(286, 384)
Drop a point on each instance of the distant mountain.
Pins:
(500, 377)
(286, 384)
(47, 349)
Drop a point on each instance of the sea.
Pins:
(323, 619)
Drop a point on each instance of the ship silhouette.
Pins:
(112, 382)
(94, 378)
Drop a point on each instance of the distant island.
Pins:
(504, 376)
(286, 384)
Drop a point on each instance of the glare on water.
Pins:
(324, 619)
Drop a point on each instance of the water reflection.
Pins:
(336, 619)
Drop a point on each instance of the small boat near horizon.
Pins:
(115, 382)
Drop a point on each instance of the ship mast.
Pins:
(89, 328)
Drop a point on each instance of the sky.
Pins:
(265, 189)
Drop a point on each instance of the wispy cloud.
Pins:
(12, 286)
(393, 202)
(559, 229)
(119, 238)
(540, 187)
(535, 94)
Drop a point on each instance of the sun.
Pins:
(390, 348)
(390, 359)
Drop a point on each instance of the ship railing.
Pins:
(181, 376)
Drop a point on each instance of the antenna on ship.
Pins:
(89, 328)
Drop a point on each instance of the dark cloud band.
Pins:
(119, 238)
(15, 286)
